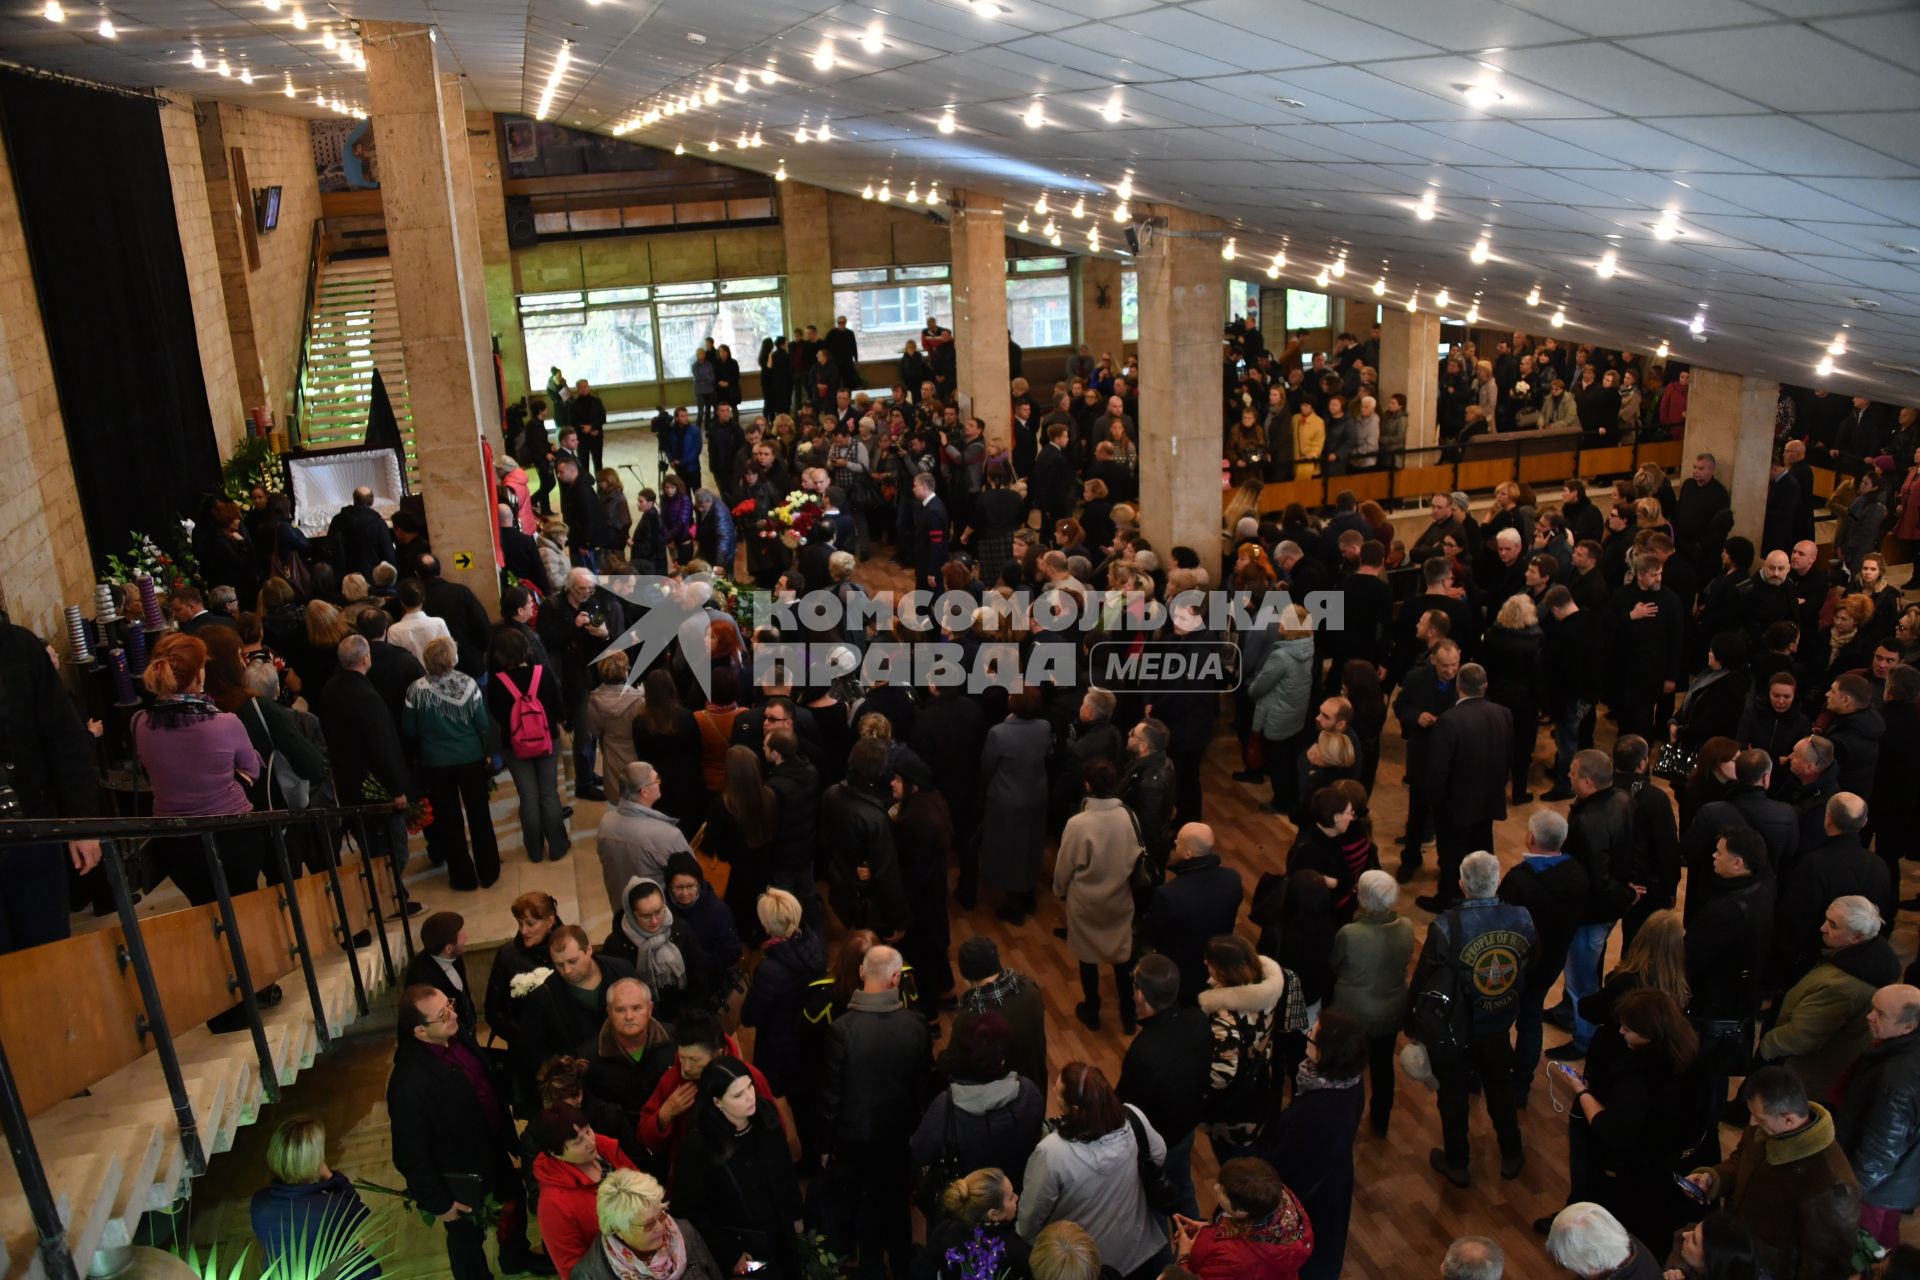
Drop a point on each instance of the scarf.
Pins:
(667, 1262)
(1307, 1079)
(658, 962)
(181, 710)
(1839, 640)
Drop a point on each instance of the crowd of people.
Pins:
(773, 1059)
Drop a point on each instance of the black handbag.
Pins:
(1158, 1189)
(1726, 1045)
(863, 492)
(944, 1169)
(1674, 763)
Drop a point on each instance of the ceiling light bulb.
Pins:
(1380, 287)
(1035, 116)
(886, 193)
(1273, 271)
(1111, 112)
(1322, 278)
(874, 40)
(273, 5)
(1413, 300)
(246, 75)
(756, 140)
(1125, 189)
(1339, 268)
(327, 40)
(947, 123)
(1698, 325)
(913, 193)
(1667, 228)
(1054, 239)
(1229, 250)
(198, 60)
(223, 68)
(743, 142)
(1280, 260)
(1609, 263)
(299, 19)
(1533, 296)
(985, 9)
(289, 91)
(866, 192)
(740, 84)
(1093, 237)
(1023, 225)
(1481, 250)
(1121, 213)
(713, 145)
(767, 74)
(713, 93)
(1660, 352)
(106, 28)
(1473, 314)
(319, 99)
(1825, 366)
(54, 12)
(346, 52)
(1559, 318)
(1440, 299)
(801, 135)
(1040, 205)
(823, 56)
(1079, 209)
(1480, 97)
(1424, 210)
(824, 133)
(933, 191)
(780, 173)
(1052, 229)
(1838, 347)
(679, 148)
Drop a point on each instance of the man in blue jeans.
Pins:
(1575, 658)
(1600, 838)
(1553, 889)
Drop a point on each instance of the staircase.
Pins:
(353, 328)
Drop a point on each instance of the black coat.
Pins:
(949, 733)
(456, 605)
(741, 1194)
(1421, 693)
(446, 1144)
(856, 832)
(49, 747)
(1877, 1123)
(618, 1080)
(773, 1007)
(1575, 660)
(1554, 892)
(1515, 671)
(362, 739)
(1834, 869)
(875, 1074)
(1165, 1070)
(1896, 803)
(1726, 948)
(1715, 710)
(1744, 807)
(1856, 748)
(1310, 1145)
(1656, 835)
(1200, 901)
(1055, 484)
(361, 540)
(1468, 764)
(1146, 788)
(1643, 652)
(424, 971)
(549, 1020)
(796, 785)
(509, 962)
(1600, 836)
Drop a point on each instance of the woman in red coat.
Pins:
(1260, 1232)
(572, 1161)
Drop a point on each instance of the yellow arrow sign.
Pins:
(463, 559)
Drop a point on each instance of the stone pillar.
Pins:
(180, 132)
(980, 314)
(496, 255)
(803, 223)
(1731, 417)
(466, 233)
(417, 196)
(1182, 300)
(1100, 326)
(1409, 366)
(228, 207)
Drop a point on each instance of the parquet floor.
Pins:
(1404, 1215)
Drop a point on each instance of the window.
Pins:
(1040, 311)
(891, 305)
(1243, 299)
(640, 334)
(1130, 306)
(1306, 310)
(897, 308)
(1030, 266)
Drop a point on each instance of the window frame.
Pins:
(550, 304)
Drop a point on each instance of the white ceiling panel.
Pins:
(1782, 144)
(1787, 67)
(1618, 81)
(1324, 31)
(1642, 15)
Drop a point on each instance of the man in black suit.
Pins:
(360, 537)
(190, 611)
(1467, 775)
(363, 743)
(1055, 483)
(1552, 886)
(1747, 805)
(843, 344)
(1464, 628)
(1835, 868)
(929, 533)
(1197, 904)
(1425, 695)
(453, 1137)
(440, 963)
(392, 669)
(1646, 631)
(466, 618)
(590, 417)
(568, 1009)
(1164, 1072)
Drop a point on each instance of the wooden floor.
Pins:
(1404, 1215)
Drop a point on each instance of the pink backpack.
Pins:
(528, 734)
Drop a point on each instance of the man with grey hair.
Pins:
(1467, 767)
(1875, 1123)
(636, 838)
(1822, 1025)
(1590, 1242)
(1553, 887)
(363, 746)
(575, 625)
(1199, 902)
(1473, 1258)
(1368, 965)
(1468, 988)
(1835, 867)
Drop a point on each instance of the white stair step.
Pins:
(84, 1188)
(143, 1149)
(221, 1079)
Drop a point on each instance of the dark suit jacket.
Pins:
(362, 738)
(425, 971)
(1467, 762)
(361, 540)
(204, 619)
(454, 604)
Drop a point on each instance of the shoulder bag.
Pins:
(1162, 1200)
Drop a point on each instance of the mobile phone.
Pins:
(1691, 1189)
(752, 1265)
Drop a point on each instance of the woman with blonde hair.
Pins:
(639, 1239)
(977, 1210)
(446, 718)
(792, 959)
(314, 653)
(552, 545)
(306, 1202)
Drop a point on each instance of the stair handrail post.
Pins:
(134, 939)
(373, 899)
(290, 899)
(296, 425)
(56, 1255)
(331, 837)
(242, 971)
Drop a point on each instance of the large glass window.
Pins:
(890, 305)
(1040, 311)
(642, 333)
(1129, 306)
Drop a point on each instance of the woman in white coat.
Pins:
(1094, 874)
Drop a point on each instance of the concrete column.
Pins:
(496, 255)
(180, 132)
(1731, 417)
(979, 234)
(227, 206)
(466, 234)
(1409, 366)
(803, 222)
(417, 180)
(1100, 326)
(1182, 297)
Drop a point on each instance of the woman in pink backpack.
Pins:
(523, 697)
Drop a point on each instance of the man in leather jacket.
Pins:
(1877, 1123)
(1599, 838)
(864, 885)
(1147, 788)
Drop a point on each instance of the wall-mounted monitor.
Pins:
(266, 208)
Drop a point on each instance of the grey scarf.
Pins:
(658, 962)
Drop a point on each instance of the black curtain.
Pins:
(96, 202)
